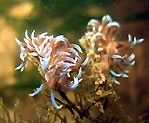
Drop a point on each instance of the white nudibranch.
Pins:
(59, 62)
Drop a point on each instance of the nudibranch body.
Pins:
(58, 60)
(100, 42)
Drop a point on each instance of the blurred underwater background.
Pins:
(69, 18)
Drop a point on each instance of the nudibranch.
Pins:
(100, 41)
(58, 61)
